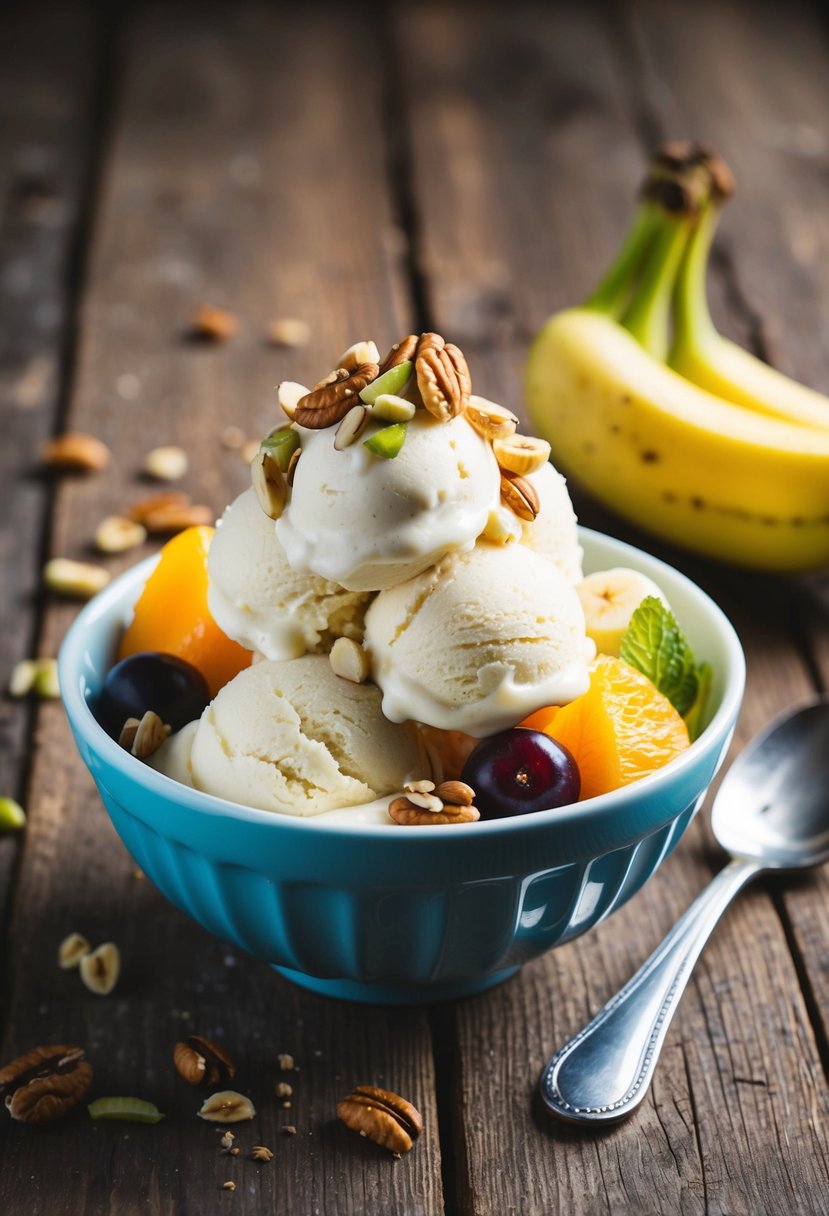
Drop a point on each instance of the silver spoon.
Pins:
(770, 813)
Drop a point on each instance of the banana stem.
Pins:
(612, 294)
(693, 328)
(649, 313)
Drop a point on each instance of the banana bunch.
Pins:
(662, 418)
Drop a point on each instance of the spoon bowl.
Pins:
(773, 804)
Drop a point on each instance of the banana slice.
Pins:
(609, 599)
(521, 454)
(489, 419)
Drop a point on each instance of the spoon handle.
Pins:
(603, 1073)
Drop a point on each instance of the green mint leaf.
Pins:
(655, 645)
(694, 716)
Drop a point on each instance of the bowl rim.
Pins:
(578, 814)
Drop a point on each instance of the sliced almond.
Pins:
(521, 454)
(520, 496)
(166, 463)
(270, 485)
(149, 735)
(128, 733)
(351, 427)
(79, 580)
(118, 533)
(491, 420)
(393, 408)
(227, 1106)
(456, 792)
(71, 950)
(175, 518)
(292, 464)
(76, 450)
(288, 393)
(100, 969)
(423, 786)
(289, 331)
(360, 352)
(349, 661)
(429, 802)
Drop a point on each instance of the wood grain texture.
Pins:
(731, 1124)
(242, 172)
(46, 84)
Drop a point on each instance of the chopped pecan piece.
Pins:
(333, 398)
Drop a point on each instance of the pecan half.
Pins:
(520, 496)
(45, 1083)
(407, 814)
(198, 1060)
(442, 377)
(383, 1117)
(331, 400)
(399, 353)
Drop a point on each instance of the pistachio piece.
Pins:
(166, 463)
(227, 1106)
(269, 484)
(393, 408)
(281, 444)
(71, 950)
(387, 442)
(392, 381)
(78, 580)
(12, 815)
(100, 969)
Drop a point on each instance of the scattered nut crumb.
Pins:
(285, 1062)
(75, 450)
(260, 1153)
(139, 873)
(286, 1105)
(228, 1186)
(214, 324)
(232, 438)
(80, 580)
(227, 1139)
(283, 1089)
(289, 331)
(166, 463)
(288, 1130)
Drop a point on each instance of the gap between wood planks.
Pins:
(651, 130)
(97, 122)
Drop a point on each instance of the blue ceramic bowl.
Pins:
(385, 914)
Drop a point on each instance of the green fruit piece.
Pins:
(387, 443)
(281, 445)
(393, 408)
(392, 381)
(12, 815)
(132, 1110)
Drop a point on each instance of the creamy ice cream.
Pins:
(368, 523)
(554, 533)
(293, 737)
(260, 601)
(479, 641)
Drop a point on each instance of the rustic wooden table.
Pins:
(468, 169)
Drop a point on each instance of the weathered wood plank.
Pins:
(48, 63)
(542, 191)
(242, 172)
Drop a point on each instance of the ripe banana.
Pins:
(676, 460)
(745, 481)
(609, 599)
(703, 356)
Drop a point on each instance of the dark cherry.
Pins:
(150, 680)
(521, 771)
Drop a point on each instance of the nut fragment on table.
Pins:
(227, 1106)
(71, 950)
(119, 533)
(289, 331)
(283, 1089)
(200, 1060)
(45, 1083)
(100, 969)
(214, 324)
(78, 580)
(166, 463)
(229, 1186)
(260, 1153)
(381, 1116)
(22, 678)
(171, 518)
(285, 1062)
(76, 450)
(151, 503)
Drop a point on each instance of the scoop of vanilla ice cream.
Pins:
(257, 599)
(480, 641)
(553, 533)
(368, 523)
(294, 737)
